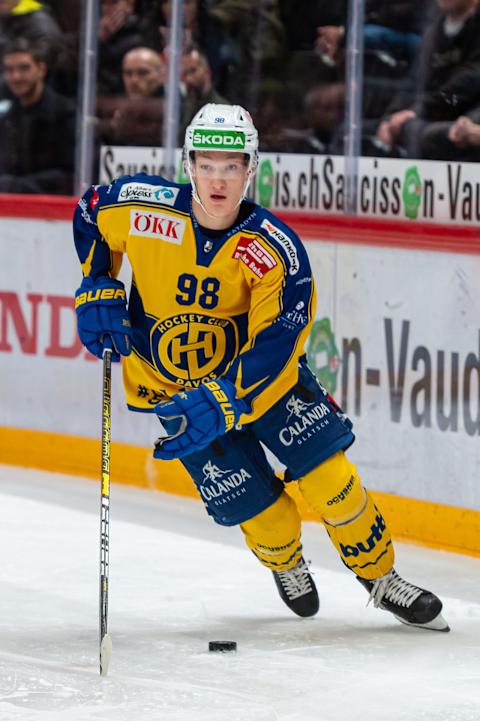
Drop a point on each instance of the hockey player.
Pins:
(221, 304)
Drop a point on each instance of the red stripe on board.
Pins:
(310, 226)
(38, 207)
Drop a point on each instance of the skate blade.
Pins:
(105, 654)
(436, 624)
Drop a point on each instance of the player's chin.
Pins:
(219, 208)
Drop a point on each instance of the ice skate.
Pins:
(297, 589)
(409, 604)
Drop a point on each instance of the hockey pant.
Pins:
(355, 526)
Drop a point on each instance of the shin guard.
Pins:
(355, 526)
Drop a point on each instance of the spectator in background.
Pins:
(197, 81)
(449, 59)
(37, 132)
(136, 118)
(324, 111)
(31, 20)
(143, 73)
(120, 29)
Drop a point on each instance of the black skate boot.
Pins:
(409, 604)
(297, 589)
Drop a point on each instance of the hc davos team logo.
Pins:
(304, 420)
(222, 486)
(190, 348)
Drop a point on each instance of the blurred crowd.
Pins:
(285, 60)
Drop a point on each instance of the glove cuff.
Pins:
(222, 392)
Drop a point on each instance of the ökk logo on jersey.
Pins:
(367, 546)
(211, 139)
(157, 225)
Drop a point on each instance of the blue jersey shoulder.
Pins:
(152, 190)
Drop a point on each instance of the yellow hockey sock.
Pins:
(274, 534)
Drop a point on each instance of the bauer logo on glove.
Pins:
(99, 295)
(101, 306)
(224, 404)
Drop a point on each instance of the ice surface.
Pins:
(178, 581)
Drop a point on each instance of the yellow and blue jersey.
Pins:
(237, 305)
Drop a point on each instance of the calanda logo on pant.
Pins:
(222, 486)
(304, 420)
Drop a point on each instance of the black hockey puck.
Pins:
(222, 646)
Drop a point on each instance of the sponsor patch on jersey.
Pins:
(148, 193)
(286, 243)
(148, 224)
(251, 252)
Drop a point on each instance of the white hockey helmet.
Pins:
(221, 128)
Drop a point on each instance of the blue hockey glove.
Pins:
(194, 419)
(101, 307)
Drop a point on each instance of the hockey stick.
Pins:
(105, 640)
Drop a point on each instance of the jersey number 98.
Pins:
(188, 286)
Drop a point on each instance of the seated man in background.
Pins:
(137, 117)
(450, 56)
(37, 128)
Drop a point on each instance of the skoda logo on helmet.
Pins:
(219, 139)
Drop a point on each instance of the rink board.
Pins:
(403, 359)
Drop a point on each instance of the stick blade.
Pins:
(105, 654)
